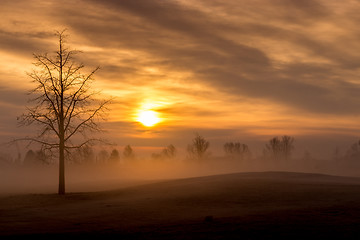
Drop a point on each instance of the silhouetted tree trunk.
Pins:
(64, 104)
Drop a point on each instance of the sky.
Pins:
(229, 70)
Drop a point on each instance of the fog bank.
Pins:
(16, 179)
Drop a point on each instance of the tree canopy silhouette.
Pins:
(114, 156)
(198, 147)
(128, 152)
(169, 151)
(64, 105)
(236, 149)
(280, 149)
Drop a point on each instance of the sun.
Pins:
(148, 118)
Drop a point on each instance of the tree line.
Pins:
(277, 149)
(198, 149)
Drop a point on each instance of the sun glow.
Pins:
(148, 118)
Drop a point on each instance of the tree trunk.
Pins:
(61, 126)
(61, 168)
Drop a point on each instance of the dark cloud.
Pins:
(185, 38)
(24, 43)
(14, 98)
(12, 102)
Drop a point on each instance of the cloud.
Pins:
(24, 43)
(296, 59)
(176, 36)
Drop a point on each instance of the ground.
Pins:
(258, 205)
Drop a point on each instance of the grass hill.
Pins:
(230, 206)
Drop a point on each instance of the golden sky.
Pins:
(230, 70)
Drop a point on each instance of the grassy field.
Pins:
(262, 205)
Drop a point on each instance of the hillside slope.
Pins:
(246, 205)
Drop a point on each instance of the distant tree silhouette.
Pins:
(353, 153)
(64, 104)
(30, 158)
(169, 151)
(287, 144)
(157, 156)
(237, 150)
(128, 152)
(35, 158)
(42, 156)
(198, 147)
(280, 149)
(114, 156)
(103, 156)
(84, 154)
(273, 148)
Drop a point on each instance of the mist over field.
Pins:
(39, 177)
(142, 201)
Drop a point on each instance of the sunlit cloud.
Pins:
(265, 67)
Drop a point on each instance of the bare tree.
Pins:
(114, 156)
(287, 145)
(236, 149)
(353, 153)
(84, 154)
(198, 147)
(169, 151)
(102, 156)
(280, 149)
(273, 148)
(128, 152)
(229, 148)
(64, 104)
